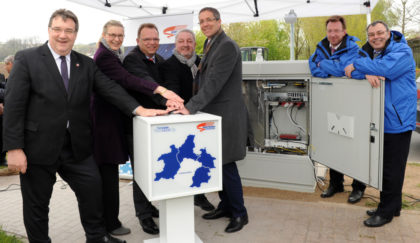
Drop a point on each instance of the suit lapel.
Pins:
(74, 73)
(51, 65)
(212, 49)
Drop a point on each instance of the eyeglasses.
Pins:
(150, 39)
(334, 31)
(378, 33)
(208, 20)
(57, 30)
(113, 36)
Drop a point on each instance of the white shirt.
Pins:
(58, 60)
(335, 47)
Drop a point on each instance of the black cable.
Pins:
(8, 188)
(274, 122)
(317, 179)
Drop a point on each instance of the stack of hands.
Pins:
(174, 104)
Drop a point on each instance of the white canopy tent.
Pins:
(234, 10)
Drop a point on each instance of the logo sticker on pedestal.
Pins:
(173, 161)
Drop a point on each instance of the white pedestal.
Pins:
(176, 221)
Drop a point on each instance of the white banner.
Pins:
(168, 26)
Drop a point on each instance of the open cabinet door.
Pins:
(346, 127)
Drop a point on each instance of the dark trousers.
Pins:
(83, 178)
(337, 179)
(232, 198)
(111, 195)
(142, 205)
(396, 149)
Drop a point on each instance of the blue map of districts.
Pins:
(172, 162)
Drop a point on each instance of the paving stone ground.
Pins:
(270, 220)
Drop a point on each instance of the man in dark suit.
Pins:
(143, 62)
(178, 73)
(220, 93)
(47, 127)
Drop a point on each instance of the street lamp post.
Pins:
(291, 18)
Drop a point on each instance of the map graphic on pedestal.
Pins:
(173, 161)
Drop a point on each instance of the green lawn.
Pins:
(4, 238)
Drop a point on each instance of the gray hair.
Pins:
(9, 59)
(377, 22)
(187, 31)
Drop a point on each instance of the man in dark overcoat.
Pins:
(220, 93)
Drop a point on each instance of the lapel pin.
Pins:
(77, 65)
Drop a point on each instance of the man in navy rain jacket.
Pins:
(387, 57)
(331, 56)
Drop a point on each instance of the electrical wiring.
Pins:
(289, 115)
(280, 149)
(10, 187)
(274, 122)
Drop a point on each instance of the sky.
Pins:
(29, 18)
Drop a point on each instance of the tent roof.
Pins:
(233, 10)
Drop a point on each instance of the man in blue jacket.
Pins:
(331, 56)
(387, 57)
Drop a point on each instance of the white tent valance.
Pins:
(233, 10)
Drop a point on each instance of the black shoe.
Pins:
(236, 224)
(149, 226)
(331, 191)
(106, 239)
(120, 231)
(376, 221)
(372, 212)
(355, 196)
(216, 214)
(201, 201)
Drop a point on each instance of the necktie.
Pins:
(332, 50)
(64, 72)
(151, 59)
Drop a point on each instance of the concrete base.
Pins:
(176, 221)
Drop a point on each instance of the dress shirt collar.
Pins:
(57, 56)
(335, 47)
(152, 58)
(57, 59)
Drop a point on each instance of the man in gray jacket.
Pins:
(219, 92)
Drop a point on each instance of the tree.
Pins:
(87, 49)
(404, 13)
(199, 39)
(383, 11)
(14, 45)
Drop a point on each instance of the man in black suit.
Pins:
(143, 61)
(178, 73)
(47, 127)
